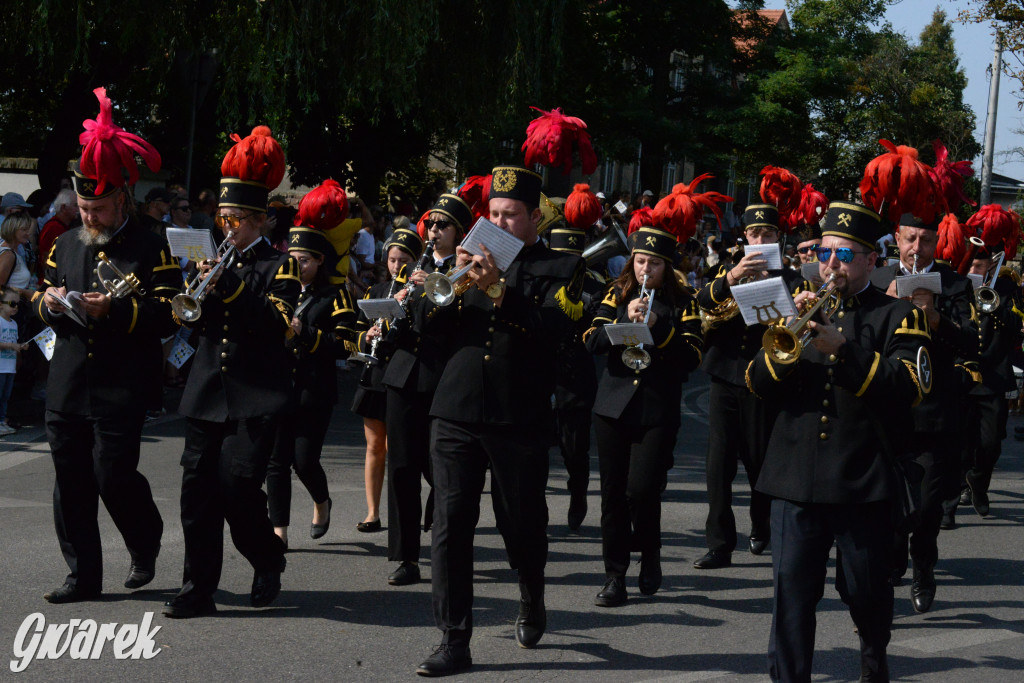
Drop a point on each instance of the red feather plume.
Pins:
(582, 208)
(107, 148)
(679, 212)
(257, 158)
(550, 139)
(323, 207)
(996, 225)
(641, 218)
(948, 178)
(898, 183)
(812, 207)
(953, 246)
(476, 192)
(420, 228)
(781, 189)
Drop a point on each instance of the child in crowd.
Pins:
(9, 349)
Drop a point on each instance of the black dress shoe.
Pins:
(407, 573)
(577, 509)
(979, 494)
(368, 527)
(714, 559)
(140, 573)
(948, 521)
(266, 586)
(613, 594)
(71, 593)
(965, 496)
(447, 659)
(922, 590)
(758, 545)
(533, 617)
(649, 580)
(318, 530)
(189, 605)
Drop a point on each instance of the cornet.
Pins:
(442, 289)
(120, 285)
(188, 305)
(784, 343)
(635, 357)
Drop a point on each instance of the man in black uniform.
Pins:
(935, 440)
(240, 383)
(493, 408)
(106, 370)
(738, 424)
(826, 465)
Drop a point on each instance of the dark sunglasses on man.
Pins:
(184, 207)
(844, 254)
(231, 221)
(804, 250)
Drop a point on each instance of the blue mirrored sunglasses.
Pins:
(844, 254)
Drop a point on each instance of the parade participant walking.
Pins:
(240, 383)
(106, 363)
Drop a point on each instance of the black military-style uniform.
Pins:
(241, 382)
(328, 319)
(827, 471)
(102, 378)
(493, 407)
(421, 350)
(936, 438)
(637, 421)
(739, 425)
(369, 400)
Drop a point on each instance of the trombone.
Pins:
(120, 285)
(188, 305)
(784, 343)
(635, 357)
(985, 297)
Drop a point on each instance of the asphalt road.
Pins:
(337, 619)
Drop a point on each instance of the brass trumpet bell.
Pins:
(188, 305)
(785, 343)
(120, 285)
(442, 289)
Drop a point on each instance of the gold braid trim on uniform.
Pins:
(912, 369)
(871, 375)
(746, 376)
(771, 368)
(284, 308)
(572, 309)
(973, 372)
(671, 333)
(974, 314)
(587, 334)
(610, 299)
(338, 310)
(49, 257)
(917, 326)
(289, 270)
(241, 286)
(352, 347)
(316, 343)
(135, 314)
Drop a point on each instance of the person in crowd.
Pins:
(65, 214)
(10, 347)
(157, 205)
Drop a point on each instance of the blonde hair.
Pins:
(13, 223)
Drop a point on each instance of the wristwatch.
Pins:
(496, 290)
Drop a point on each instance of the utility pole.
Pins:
(990, 122)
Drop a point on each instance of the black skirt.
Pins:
(369, 403)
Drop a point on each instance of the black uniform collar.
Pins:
(859, 299)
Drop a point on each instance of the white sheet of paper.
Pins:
(504, 246)
(811, 273)
(764, 301)
(180, 352)
(621, 207)
(193, 245)
(46, 340)
(772, 253)
(629, 334)
(389, 309)
(72, 304)
(906, 284)
(976, 279)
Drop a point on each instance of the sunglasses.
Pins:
(804, 250)
(844, 254)
(230, 221)
(12, 304)
(439, 224)
(183, 208)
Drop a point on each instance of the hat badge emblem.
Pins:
(759, 215)
(650, 240)
(504, 180)
(844, 219)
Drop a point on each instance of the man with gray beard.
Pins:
(106, 365)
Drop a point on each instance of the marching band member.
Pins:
(738, 424)
(107, 361)
(240, 383)
(825, 467)
(323, 321)
(636, 413)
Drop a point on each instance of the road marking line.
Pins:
(951, 640)
(9, 460)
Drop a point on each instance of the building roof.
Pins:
(775, 18)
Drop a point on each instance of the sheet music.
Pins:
(389, 309)
(810, 272)
(504, 246)
(629, 334)
(771, 253)
(46, 340)
(976, 279)
(906, 284)
(192, 245)
(72, 304)
(764, 301)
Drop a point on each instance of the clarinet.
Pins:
(428, 250)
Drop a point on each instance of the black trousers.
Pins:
(739, 426)
(298, 445)
(460, 454)
(632, 462)
(224, 468)
(97, 458)
(991, 412)
(408, 423)
(573, 424)
(802, 536)
(937, 455)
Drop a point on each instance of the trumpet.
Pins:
(120, 285)
(784, 343)
(188, 305)
(986, 300)
(635, 357)
(442, 289)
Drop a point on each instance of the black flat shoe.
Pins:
(714, 559)
(533, 617)
(266, 586)
(406, 574)
(71, 593)
(650, 572)
(922, 590)
(613, 594)
(368, 527)
(141, 572)
(188, 606)
(447, 659)
(758, 545)
(318, 530)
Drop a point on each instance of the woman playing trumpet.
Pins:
(636, 413)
